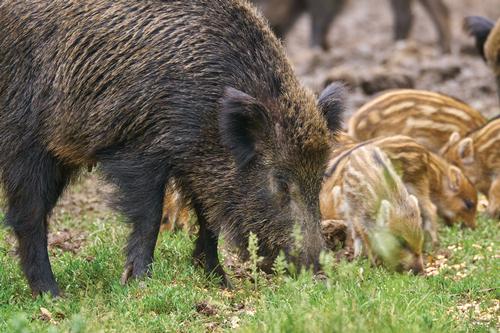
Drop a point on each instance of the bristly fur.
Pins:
(428, 117)
(478, 156)
(439, 187)
(367, 179)
(138, 86)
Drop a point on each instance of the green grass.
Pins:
(353, 298)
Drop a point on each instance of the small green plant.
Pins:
(280, 265)
(460, 296)
(255, 259)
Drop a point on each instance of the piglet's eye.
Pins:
(468, 204)
(403, 243)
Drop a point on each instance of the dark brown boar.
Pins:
(282, 14)
(199, 91)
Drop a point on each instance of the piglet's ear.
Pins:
(243, 123)
(331, 105)
(454, 138)
(465, 151)
(414, 202)
(455, 177)
(384, 213)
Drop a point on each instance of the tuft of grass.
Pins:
(353, 297)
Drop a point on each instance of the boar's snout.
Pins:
(308, 248)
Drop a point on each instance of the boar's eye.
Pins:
(283, 186)
(280, 187)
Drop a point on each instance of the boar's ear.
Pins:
(465, 151)
(455, 177)
(384, 213)
(243, 121)
(478, 27)
(331, 105)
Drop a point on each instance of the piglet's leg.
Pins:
(494, 199)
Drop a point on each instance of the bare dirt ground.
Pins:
(362, 48)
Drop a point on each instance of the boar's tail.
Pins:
(478, 27)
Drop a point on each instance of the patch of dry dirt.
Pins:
(86, 196)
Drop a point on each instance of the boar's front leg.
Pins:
(141, 188)
(33, 181)
(206, 249)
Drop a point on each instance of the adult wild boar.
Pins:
(199, 91)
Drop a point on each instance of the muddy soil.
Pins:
(364, 55)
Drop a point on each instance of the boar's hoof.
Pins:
(226, 283)
(198, 259)
(133, 271)
(218, 273)
(53, 291)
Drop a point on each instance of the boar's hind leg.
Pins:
(283, 24)
(440, 16)
(403, 18)
(206, 249)
(33, 181)
(141, 189)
